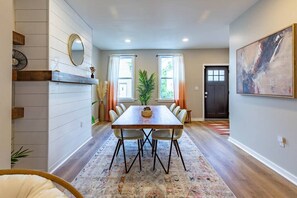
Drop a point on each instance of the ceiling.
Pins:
(160, 24)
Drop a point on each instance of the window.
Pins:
(166, 87)
(216, 75)
(126, 78)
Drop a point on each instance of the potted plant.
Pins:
(93, 118)
(17, 155)
(145, 87)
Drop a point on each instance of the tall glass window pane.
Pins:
(167, 67)
(167, 88)
(125, 78)
(125, 68)
(125, 88)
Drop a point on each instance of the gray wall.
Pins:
(96, 63)
(257, 121)
(6, 21)
(194, 60)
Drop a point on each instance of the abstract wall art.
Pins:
(267, 67)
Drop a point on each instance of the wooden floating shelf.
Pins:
(17, 112)
(18, 39)
(55, 76)
(14, 74)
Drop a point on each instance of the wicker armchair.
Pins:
(15, 182)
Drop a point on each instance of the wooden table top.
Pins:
(162, 118)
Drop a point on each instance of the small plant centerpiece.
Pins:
(145, 89)
(146, 112)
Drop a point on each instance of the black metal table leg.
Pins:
(138, 153)
(119, 147)
(139, 148)
(155, 152)
(156, 155)
(174, 142)
(122, 136)
(170, 151)
(147, 137)
(181, 155)
(116, 149)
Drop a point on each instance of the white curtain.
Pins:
(179, 81)
(113, 73)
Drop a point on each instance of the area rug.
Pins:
(220, 127)
(200, 179)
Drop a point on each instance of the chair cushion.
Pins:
(28, 186)
(165, 134)
(129, 134)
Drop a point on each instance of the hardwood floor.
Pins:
(244, 175)
(73, 165)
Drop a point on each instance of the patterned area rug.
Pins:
(200, 179)
(220, 127)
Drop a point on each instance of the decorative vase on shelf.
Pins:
(92, 71)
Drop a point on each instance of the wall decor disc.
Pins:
(19, 60)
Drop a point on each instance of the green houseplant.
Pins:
(93, 118)
(145, 87)
(17, 155)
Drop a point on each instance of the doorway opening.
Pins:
(216, 91)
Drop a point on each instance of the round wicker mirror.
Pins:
(75, 49)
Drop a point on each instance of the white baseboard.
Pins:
(289, 176)
(197, 119)
(60, 164)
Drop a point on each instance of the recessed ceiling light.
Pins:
(127, 40)
(185, 40)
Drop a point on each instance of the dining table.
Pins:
(161, 118)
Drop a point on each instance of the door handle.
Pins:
(205, 93)
(205, 96)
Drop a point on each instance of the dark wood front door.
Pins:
(216, 91)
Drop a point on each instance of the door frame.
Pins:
(203, 85)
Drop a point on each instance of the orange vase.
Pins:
(101, 111)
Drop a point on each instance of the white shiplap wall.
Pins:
(64, 21)
(57, 122)
(31, 19)
(69, 104)
(31, 132)
(57, 115)
(69, 120)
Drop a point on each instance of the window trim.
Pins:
(132, 98)
(160, 79)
